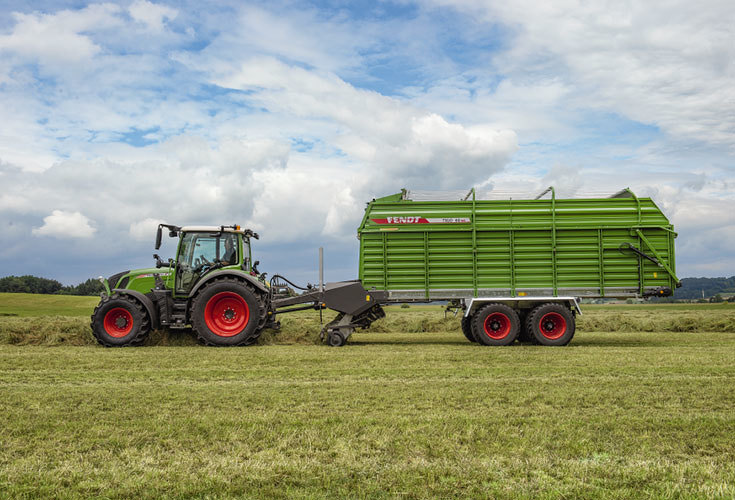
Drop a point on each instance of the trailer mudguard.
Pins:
(229, 272)
(150, 308)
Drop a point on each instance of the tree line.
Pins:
(698, 288)
(692, 288)
(34, 284)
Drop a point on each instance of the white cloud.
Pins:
(401, 143)
(151, 15)
(58, 39)
(313, 38)
(567, 180)
(144, 229)
(61, 224)
(665, 65)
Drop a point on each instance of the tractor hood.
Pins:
(140, 280)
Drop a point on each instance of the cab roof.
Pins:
(212, 229)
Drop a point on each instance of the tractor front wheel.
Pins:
(119, 321)
(226, 312)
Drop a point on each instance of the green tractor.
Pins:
(212, 285)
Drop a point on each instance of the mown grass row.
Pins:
(304, 327)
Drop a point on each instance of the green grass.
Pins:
(26, 304)
(391, 415)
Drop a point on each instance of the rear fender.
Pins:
(150, 308)
(232, 273)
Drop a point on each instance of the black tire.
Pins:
(551, 324)
(119, 321)
(336, 339)
(496, 324)
(466, 324)
(524, 335)
(226, 312)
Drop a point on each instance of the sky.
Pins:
(288, 116)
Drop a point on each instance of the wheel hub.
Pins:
(118, 322)
(497, 326)
(226, 314)
(552, 325)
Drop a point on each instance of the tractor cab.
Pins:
(204, 249)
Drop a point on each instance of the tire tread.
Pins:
(234, 282)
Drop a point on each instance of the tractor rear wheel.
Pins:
(226, 312)
(551, 324)
(496, 324)
(466, 323)
(120, 320)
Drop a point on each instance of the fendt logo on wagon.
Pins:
(422, 220)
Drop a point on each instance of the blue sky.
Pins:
(288, 116)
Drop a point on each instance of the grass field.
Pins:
(639, 414)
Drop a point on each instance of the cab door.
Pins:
(198, 252)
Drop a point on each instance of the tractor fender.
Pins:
(229, 272)
(150, 308)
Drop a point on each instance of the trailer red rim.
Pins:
(552, 325)
(226, 314)
(497, 326)
(118, 322)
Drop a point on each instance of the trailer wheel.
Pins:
(120, 321)
(226, 313)
(336, 339)
(466, 324)
(524, 335)
(496, 324)
(551, 324)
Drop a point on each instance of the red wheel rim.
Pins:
(497, 326)
(552, 325)
(118, 322)
(226, 314)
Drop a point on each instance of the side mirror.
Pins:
(159, 235)
(160, 263)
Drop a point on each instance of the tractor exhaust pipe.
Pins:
(321, 269)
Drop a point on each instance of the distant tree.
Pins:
(693, 288)
(29, 284)
(717, 298)
(33, 284)
(89, 287)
